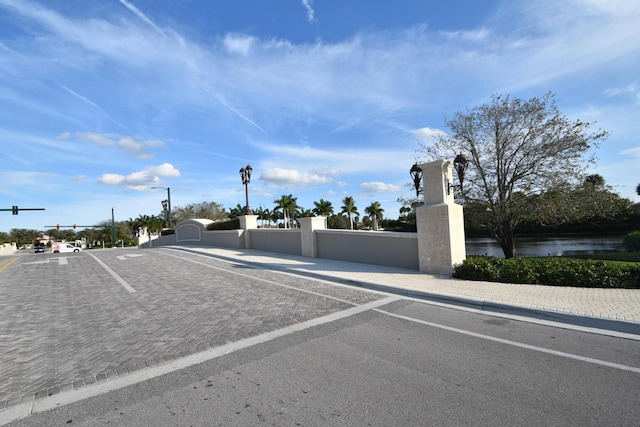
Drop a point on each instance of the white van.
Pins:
(64, 247)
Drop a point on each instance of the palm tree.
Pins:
(306, 213)
(236, 212)
(275, 217)
(323, 208)
(375, 212)
(289, 207)
(349, 207)
(260, 213)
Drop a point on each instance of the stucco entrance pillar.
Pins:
(308, 226)
(439, 222)
(247, 223)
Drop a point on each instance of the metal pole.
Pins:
(169, 204)
(247, 210)
(113, 230)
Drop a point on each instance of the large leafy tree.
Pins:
(208, 210)
(375, 211)
(589, 202)
(517, 149)
(349, 207)
(23, 236)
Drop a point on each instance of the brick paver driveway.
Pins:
(72, 319)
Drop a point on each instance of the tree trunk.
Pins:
(504, 237)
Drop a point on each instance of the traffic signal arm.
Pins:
(15, 209)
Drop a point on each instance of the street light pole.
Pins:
(168, 203)
(245, 174)
(166, 217)
(113, 229)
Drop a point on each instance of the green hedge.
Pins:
(632, 241)
(230, 224)
(551, 271)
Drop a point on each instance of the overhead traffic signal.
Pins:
(14, 210)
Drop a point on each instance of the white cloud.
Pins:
(379, 187)
(426, 133)
(239, 43)
(165, 169)
(291, 176)
(141, 180)
(134, 146)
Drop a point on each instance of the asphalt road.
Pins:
(162, 337)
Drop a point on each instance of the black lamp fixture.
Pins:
(416, 175)
(165, 205)
(245, 174)
(460, 164)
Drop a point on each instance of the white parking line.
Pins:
(514, 343)
(113, 273)
(76, 395)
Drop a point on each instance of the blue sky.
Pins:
(102, 99)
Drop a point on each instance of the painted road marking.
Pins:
(76, 395)
(60, 261)
(515, 343)
(124, 257)
(113, 273)
(5, 264)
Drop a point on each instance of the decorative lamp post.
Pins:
(416, 175)
(460, 164)
(165, 204)
(168, 209)
(245, 174)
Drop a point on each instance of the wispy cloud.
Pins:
(141, 15)
(631, 88)
(308, 5)
(93, 104)
(134, 146)
(287, 177)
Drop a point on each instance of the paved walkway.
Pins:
(616, 309)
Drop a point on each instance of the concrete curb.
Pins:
(575, 319)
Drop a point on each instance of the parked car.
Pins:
(39, 249)
(64, 247)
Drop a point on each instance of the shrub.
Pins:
(632, 241)
(231, 224)
(551, 271)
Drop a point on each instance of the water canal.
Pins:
(549, 246)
